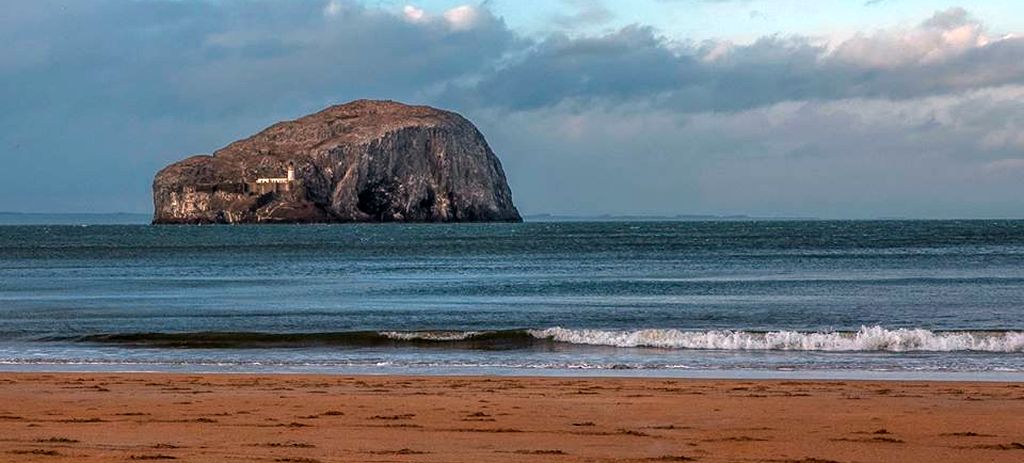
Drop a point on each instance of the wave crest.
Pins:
(439, 336)
(869, 339)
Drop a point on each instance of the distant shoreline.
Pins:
(658, 218)
(84, 218)
(133, 218)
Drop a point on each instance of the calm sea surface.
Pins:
(819, 298)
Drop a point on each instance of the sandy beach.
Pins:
(284, 418)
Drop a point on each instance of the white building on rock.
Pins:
(266, 185)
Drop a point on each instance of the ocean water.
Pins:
(919, 299)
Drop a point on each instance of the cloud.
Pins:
(920, 157)
(463, 17)
(944, 37)
(949, 52)
(332, 8)
(585, 13)
(460, 18)
(218, 58)
(115, 89)
(916, 121)
(1004, 166)
(414, 14)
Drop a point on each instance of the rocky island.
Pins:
(364, 161)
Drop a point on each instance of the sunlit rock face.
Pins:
(365, 161)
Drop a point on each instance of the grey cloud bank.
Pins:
(924, 121)
(948, 53)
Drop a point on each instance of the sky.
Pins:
(830, 108)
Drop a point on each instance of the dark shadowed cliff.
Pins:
(365, 161)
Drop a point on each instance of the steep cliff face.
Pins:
(365, 161)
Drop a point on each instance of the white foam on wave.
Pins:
(429, 335)
(867, 339)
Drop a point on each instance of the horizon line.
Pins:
(556, 217)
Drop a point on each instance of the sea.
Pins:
(893, 299)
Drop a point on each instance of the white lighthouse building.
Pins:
(265, 185)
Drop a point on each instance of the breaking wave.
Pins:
(867, 339)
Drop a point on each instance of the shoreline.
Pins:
(312, 418)
(823, 375)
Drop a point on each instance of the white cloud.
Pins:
(717, 50)
(462, 17)
(946, 35)
(332, 8)
(413, 14)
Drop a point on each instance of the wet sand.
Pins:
(308, 419)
